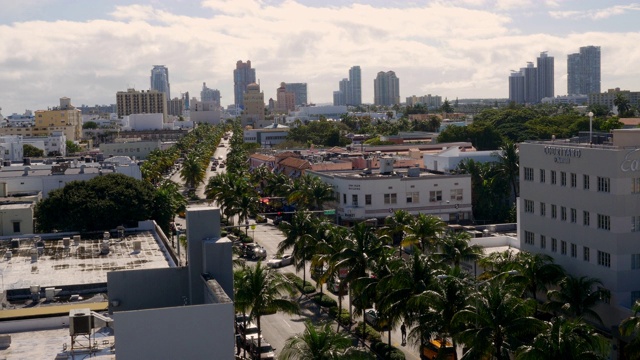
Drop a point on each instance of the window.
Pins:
(553, 177)
(413, 197)
(585, 182)
(635, 261)
(574, 216)
(604, 259)
(344, 198)
(528, 174)
(554, 244)
(563, 247)
(604, 222)
(543, 209)
(604, 184)
(586, 221)
(529, 238)
(635, 185)
(543, 242)
(574, 180)
(456, 194)
(542, 176)
(528, 206)
(635, 223)
(585, 254)
(16, 226)
(554, 211)
(435, 196)
(390, 199)
(574, 250)
(563, 213)
(367, 199)
(563, 178)
(354, 199)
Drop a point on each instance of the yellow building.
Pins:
(63, 118)
(253, 105)
(141, 102)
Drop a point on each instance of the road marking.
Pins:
(285, 321)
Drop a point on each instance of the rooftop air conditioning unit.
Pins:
(80, 322)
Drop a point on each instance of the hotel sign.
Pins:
(631, 161)
(562, 155)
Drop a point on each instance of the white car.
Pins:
(280, 261)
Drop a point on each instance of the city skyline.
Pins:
(88, 52)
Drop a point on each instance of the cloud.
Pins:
(595, 14)
(436, 48)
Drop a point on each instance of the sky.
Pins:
(88, 50)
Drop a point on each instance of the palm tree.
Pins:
(299, 236)
(169, 202)
(622, 103)
(455, 247)
(537, 271)
(435, 308)
(309, 192)
(630, 327)
(321, 343)
(565, 339)
(260, 292)
(423, 231)
(508, 166)
(394, 225)
(193, 172)
(495, 322)
(576, 297)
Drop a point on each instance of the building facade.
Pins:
(285, 100)
(207, 94)
(253, 105)
(516, 87)
(243, 75)
(580, 204)
(607, 98)
(175, 106)
(65, 116)
(360, 195)
(160, 80)
(431, 101)
(386, 89)
(141, 102)
(545, 81)
(583, 71)
(354, 92)
(300, 91)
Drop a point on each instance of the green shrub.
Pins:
(343, 318)
(382, 349)
(371, 334)
(223, 233)
(324, 300)
(305, 288)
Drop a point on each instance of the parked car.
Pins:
(334, 286)
(318, 271)
(256, 252)
(371, 317)
(248, 332)
(280, 261)
(277, 220)
(264, 352)
(431, 349)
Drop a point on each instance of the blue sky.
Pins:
(89, 50)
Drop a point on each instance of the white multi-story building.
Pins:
(267, 137)
(448, 159)
(580, 204)
(362, 195)
(11, 146)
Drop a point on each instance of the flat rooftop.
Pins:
(59, 265)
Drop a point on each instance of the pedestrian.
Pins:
(403, 330)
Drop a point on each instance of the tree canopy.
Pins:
(29, 150)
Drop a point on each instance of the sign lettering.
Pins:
(631, 161)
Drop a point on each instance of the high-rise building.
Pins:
(545, 76)
(209, 94)
(516, 87)
(300, 91)
(253, 105)
(583, 71)
(530, 83)
(140, 102)
(354, 92)
(285, 100)
(175, 106)
(160, 80)
(386, 89)
(243, 75)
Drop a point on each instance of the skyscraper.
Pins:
(386, 89)
(160, 80)
(354, 92)
(300, 91)
(208, 94)
(583, 71)
(545, 76)
(243, 75)
(516, 87)
(530, 83)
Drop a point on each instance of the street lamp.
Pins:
(590, 114)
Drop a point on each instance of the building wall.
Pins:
(16, 213)
(47, 120)
(150, 293)
(253, 105)
(141, 102)
(386, 88)
(139, 149)
(243, 75)
(140, 122)
(447, 163)
(620, 205)
(185, 332)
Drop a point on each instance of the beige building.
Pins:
(253, 105)
(285, 101)
(16, 219)
(65, 118)
(141, 102)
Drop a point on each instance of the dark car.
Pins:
(255, 252)
(265, 351)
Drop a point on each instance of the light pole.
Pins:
(590, 114)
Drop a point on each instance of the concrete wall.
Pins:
(154, 288)
(185, 332)
(203, 224)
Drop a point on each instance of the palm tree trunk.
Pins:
(364, 327)
(389, 349)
